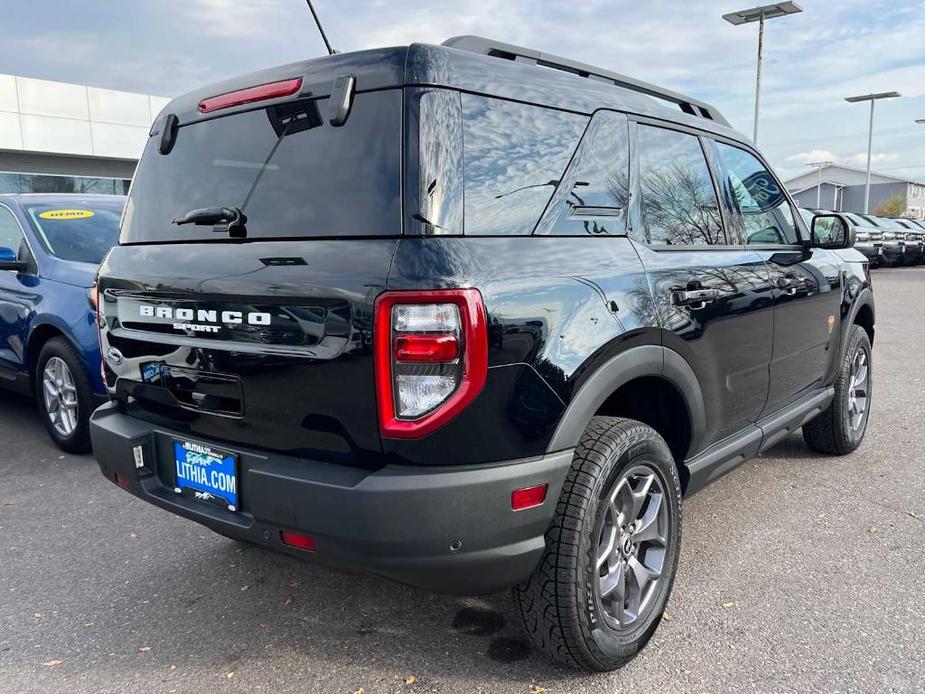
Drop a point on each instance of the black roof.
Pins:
(476, 65)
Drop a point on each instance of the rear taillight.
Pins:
(431, 358)
(261, 92)
(94, 295)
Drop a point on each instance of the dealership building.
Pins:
(841, 188)
(70, 138)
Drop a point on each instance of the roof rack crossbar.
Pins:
(497, 49)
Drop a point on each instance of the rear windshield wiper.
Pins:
(232, 219)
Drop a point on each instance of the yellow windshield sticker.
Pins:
(65, 214)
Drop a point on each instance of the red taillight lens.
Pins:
(528, 497)
(425, 348)
(431, 352)
(261, 92)
(297, 540)
(123, 481)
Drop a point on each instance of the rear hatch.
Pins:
(260, 338)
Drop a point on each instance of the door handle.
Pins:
(695, 299)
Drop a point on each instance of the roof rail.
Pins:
(478, 44)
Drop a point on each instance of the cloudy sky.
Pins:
(812, 60)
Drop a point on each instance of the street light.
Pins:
(870, 132)
(820, 165)
(759, 14)
(920, 121)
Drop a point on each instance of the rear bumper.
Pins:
(398, 522)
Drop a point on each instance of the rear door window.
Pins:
(293, 174)
(679, 205)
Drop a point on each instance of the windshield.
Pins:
(292, 173)
(888, 223)
(78, 230)
(857, 220)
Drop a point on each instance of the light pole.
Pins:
(820, 165)
(870, 133)
(759, 14)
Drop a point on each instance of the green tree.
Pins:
(893, 206)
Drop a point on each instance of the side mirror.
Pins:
(9, 261)
(832, 231)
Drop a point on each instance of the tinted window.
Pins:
(679, 205)
(48, 183)
(766, 213)
(514, 157)
(593, 196)
(78, 231)
(10, 232)
(292, 173)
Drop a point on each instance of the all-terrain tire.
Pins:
(559, 605)
(831, 431)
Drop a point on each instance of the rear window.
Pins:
(292, 173)
(77, 230)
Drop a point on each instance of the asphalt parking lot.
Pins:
(798, 573)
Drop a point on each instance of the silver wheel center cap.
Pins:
(628, 545)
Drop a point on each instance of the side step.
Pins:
(728, 454)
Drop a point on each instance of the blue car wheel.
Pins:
(64, 395)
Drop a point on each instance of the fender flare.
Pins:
(636, 362)
(865, 297)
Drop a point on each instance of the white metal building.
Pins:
(59, 137)
(841, 188)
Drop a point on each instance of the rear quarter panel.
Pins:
(557, 308)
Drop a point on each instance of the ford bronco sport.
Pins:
(469, 317)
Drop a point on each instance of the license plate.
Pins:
(206, 474)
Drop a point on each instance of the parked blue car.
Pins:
(50, 249)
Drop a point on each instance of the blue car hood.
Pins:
(71, 272)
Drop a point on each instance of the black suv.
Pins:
(469, 317)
